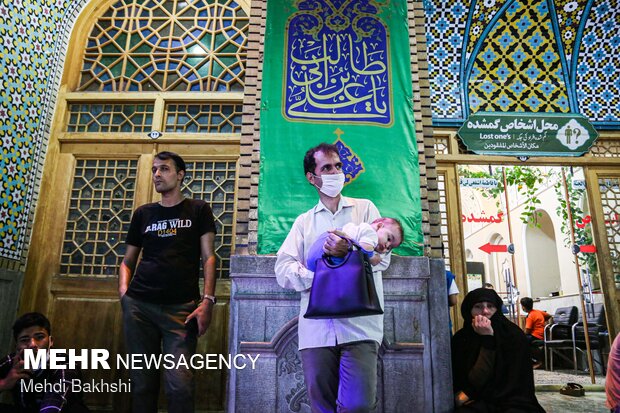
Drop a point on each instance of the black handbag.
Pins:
(344, 290)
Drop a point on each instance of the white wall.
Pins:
(550, 304)
(542, 260)
(477, 234)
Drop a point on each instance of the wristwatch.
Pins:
(211, 298)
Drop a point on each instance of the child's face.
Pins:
(389, 237)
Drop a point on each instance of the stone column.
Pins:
(414, 362)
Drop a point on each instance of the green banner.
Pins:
(338, 72)
(528, 134)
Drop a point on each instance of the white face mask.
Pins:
(332, 184)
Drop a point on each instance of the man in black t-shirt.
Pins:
(159, 299)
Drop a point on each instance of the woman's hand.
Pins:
(482, 325)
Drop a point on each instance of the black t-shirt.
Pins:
(170, 242)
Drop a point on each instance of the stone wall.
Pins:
(414, 363)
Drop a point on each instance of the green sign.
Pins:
(528, 134)
(338, 72)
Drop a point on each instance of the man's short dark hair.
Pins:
(527, 303)
(30, 320)
(310, 162)
(178, 161)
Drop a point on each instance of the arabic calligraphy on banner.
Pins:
(337, 63)
(352, 166)
(478, 182)
(485, 219)
(338, 71)
(528, 134)
(579, 184)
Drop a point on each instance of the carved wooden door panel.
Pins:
(603, 186)
(78, 244)
(451, 232)
(139, 77)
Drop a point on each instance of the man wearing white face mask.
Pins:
(339, 356)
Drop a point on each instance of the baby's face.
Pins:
(389, 237)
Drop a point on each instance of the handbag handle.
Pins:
(352, 244)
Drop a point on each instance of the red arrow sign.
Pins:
(488, 248)
(587, 248)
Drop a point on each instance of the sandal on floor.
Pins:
(573, 389)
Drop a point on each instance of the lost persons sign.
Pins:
(528, 134)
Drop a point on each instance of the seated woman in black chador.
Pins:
(491, 364)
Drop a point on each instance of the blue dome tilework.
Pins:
(569, 14)
(483, 12)
(598, 64)
(554, 56)
(527, 59)
(445, 28)
(29, 63)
